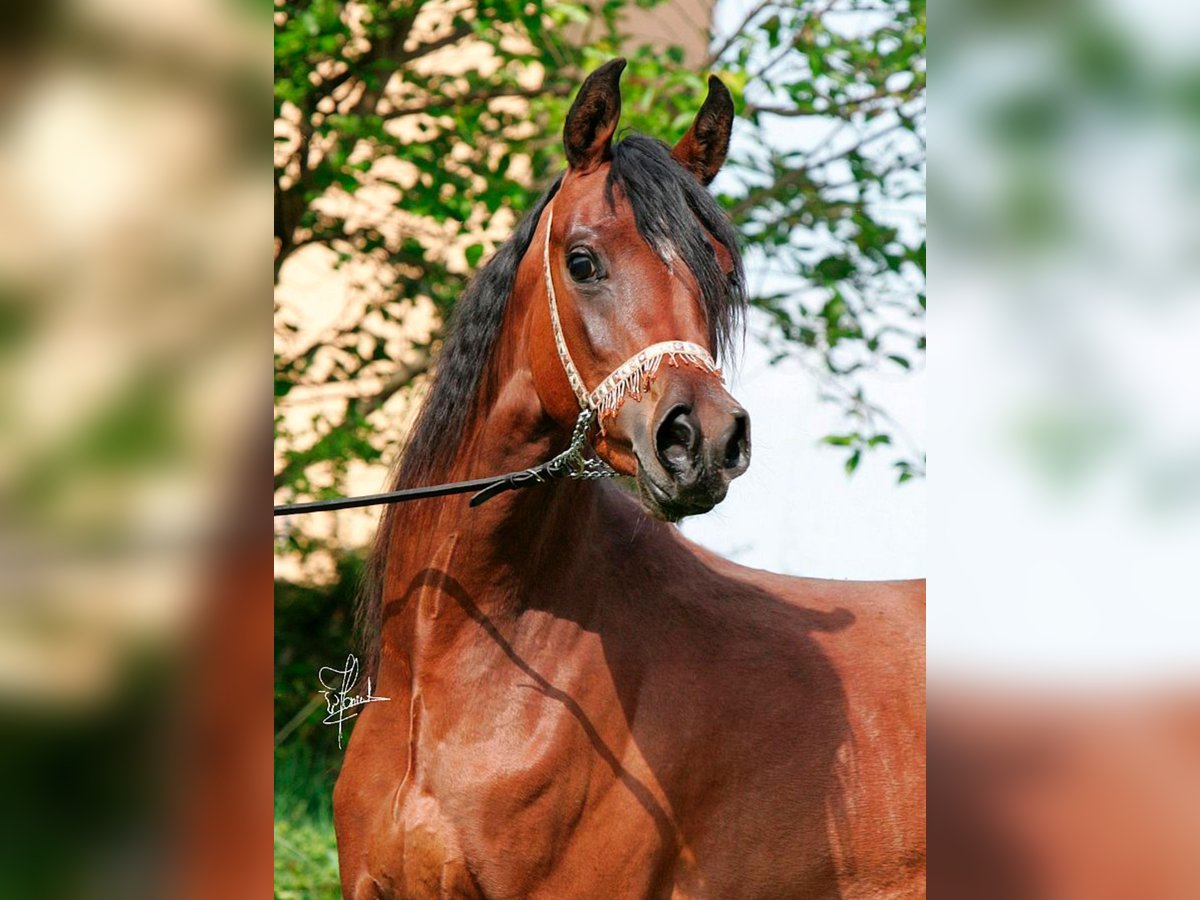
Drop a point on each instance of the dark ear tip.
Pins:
(718, 93)
(611, 69)
(607, 77)
(592, 118)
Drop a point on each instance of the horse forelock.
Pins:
(677, 215)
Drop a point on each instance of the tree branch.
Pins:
(289, 202)
(736, 33)
(420, 50)
(401, 378)
(560, 90)
(363, 406)
(802, 173)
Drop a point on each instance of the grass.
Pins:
(306, 866)
(312, 629)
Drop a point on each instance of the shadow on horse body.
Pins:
(583, 703)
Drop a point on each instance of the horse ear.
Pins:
(592, 121)
(702, 150)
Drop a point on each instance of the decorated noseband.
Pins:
(632, 377)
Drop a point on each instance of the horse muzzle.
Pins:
(694, 442)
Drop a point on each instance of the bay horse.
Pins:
(582, 703)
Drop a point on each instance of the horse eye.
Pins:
(581, 265)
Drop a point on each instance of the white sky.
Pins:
(795, 510)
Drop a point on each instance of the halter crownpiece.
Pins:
(632, 377)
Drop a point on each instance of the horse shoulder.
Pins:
(872, 636)
(896, 607)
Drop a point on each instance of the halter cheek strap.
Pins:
(633, 376)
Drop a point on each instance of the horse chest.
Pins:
(534, 788)
(542, 784)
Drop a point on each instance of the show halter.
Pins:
(631, 378)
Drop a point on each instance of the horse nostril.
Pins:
(677, 438)
(736, 455)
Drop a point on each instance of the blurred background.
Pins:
(1064, 612)
(132, 392)
(1067, 205)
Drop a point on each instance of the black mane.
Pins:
(673, 212)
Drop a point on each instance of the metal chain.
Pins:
(572, 463)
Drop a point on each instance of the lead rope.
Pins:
(571, 463)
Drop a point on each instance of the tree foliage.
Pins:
(444, 120)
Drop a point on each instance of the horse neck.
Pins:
(495, 551)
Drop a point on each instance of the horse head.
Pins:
(641, 288)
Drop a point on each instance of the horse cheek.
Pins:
(549, 378)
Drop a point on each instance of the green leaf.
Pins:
(852, 461)
(839, 440)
